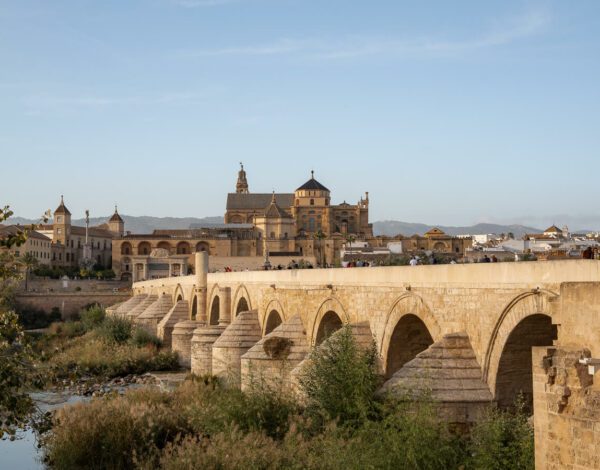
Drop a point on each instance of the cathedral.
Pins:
(280, 226)
(305, 212)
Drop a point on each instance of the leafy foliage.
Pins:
(16, 374)
(340, 380)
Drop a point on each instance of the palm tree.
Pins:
(320, 236)
(30, 262)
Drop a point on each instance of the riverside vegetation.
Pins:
(338, 423)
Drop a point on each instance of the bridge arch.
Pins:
(215, 311)
(194, 308)
(273, 306)
(178, 294)
(273, 320)
(409, 329)
(524, 323)
(330, 317)
(241, 300)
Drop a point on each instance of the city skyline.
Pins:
(446, 114)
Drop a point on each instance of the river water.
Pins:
(23, 453)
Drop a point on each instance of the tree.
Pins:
(30, 262)
(16, 360)
(319, 237)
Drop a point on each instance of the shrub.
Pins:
(503, 440)
(92, 317)
(90, 355)
(109, 433)
(116, 329)
(340, 380)
(142, 337)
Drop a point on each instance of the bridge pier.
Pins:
(243, 333)
(183, 331)
(152, 316)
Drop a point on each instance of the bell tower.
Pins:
(242, 183)
(62, 223)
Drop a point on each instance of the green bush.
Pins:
(503, 440)
(116, 329)
(90, 355)
(142, 337)
(92, 317)
(110, 433)
(340, 380)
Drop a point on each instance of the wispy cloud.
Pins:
(202, 3)
(37, 105)
(529, 24)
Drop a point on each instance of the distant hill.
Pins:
(394, 227)
(147, 224)
(143, 224)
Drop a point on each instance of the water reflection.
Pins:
(23, 453)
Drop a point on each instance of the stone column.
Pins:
(146, 271)
(201, 289)
(224, 306)
(183, 331)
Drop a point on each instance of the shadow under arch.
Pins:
(241, 300)
(178, 294)
(273, 305)
(273, 320)
(194, 308)
(409, 320)
(524, 305)
(330, 305)
(215, 311)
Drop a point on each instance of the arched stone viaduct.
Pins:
(504, 309)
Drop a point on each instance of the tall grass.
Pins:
(202, 425)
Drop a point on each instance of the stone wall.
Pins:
(69, 304)
(44, 285)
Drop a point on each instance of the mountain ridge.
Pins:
(147, 224)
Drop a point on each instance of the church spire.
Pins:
(242, 183)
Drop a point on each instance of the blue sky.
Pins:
(447, 112)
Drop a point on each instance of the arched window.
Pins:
(144, 248)
(183, 248)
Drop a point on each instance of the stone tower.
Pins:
(62, 223)
(242, 183)
(116, 223)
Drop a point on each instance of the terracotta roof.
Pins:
(15, 229)
(93, 232)
(257, 201)
(62, 209)
(553, 229)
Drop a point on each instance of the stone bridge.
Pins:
(464, 331)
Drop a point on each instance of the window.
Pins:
(67, 257)
(311, 224)
(59, 219)
(312, 202)
(60, 257)
(17, 253)
(59, 231)
(272, 234)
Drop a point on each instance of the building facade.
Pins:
(68, 241)
(37, 244)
